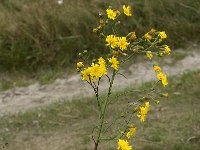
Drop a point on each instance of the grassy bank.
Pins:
(39, 34)
(172, 125)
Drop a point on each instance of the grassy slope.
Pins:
(33, 37)
(173, 125)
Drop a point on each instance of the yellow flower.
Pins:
(95, 72)
(162, 35)
(161, 75)
(114, 63)
(86, 74)
(132, 36)
(156, 68)
(163, 78)
(152, 31)
(143, 112)
(148, 36)
(164, 81)
(111, 41)
(101, 61)
(149, 54)
(167, 50)
(111, 14)
(127, 10)
(79, 65)
(122, 43)
(123, 145)
(131, 132)
(102, 66)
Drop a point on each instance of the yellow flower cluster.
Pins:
(127, 10)
(112, 14)
(95, 71)
(149, 54)
(131, 132)
(143, 110)
(114, 63)
(161, 76)
(114, 42)
(123, 145)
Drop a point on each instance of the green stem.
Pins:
(102, 113)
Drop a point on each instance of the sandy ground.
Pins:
(37, 95)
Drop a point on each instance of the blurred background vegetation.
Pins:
(38, 34)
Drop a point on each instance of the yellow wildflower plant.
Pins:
(112, 41)
(111, 13)
(131, 132)
(122, 43)
(143, 110)
(120, 48)
(114, 63)
(123, 145)
(162, 35)
(167, 50)
(149, 54)
(127, 10)
(156, 68)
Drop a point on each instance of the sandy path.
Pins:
(36, 95)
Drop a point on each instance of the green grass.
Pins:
(172, 125)
(32, 37)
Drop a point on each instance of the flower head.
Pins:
(162, 35)
(111, 41)
(122, 43)
(132, 36)
(131, 132)
(156, 68)
(86, 74)
(167, 50)
(123, 145)
(149, 54)
(152, 31)
(163, 78)
(127, 10)
(114, 63)
(102, 66)
(111, 14)
(147, 36)
(79, 65)
(143, 110)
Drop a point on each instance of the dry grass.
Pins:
(36, 34)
